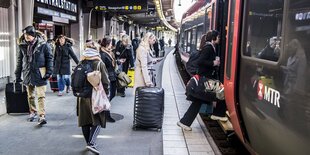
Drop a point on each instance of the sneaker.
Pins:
(59, 93)
(42, 121)
(32, 116)
(184, 127)
(93, 149)
(218, 118)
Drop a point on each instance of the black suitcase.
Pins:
(53, 83)
(148, 108)
(16, 98)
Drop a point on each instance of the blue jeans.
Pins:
(62, 81)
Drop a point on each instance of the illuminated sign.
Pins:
(302, 16)
(62, 4)
(121, 5)
(55, 13)
(268, 94)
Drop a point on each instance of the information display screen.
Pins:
(121, 5)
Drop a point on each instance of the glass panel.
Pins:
(264, 27)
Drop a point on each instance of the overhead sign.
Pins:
(121, 5)
(62, 4)
(55, 13)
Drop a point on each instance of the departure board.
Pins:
(121, 5)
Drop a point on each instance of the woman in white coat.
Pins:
(143, 60)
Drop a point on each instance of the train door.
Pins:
(274, 67)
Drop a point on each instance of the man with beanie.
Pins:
(35, 61)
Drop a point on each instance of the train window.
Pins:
(199, 34)
(263, 29)
(296, 47)
(230, 38)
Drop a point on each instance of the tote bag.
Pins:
(100, 100)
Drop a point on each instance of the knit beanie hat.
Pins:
(30, 30)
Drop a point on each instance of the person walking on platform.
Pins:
(35, 61)
(107, 56)
(63, 52)
(156, 48)
(162, 43)
(90, 122)
(143, 60)
(207, 67)
(124, 58)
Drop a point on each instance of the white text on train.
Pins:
(272, 96)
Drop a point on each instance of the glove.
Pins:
(46, 76)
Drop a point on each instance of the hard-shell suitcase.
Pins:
(148, 108)
(54, 83)
(16, 98)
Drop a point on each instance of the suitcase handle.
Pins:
(14, 87)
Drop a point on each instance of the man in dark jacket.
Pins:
(62, 56)
(35, 61)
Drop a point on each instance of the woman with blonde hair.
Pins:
(143, 60)
(90, 122)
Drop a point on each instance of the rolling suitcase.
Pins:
(54, 83)
(16, 98)
(148, 108)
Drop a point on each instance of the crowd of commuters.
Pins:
(39, 59)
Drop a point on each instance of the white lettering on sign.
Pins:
(62, 4)
(269, 94)
(302, 16)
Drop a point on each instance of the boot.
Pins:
(108, 117)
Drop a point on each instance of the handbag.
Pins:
(94, 77)
(200, 88)
(123, 80)
(100, 100)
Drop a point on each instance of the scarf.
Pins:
(110, 53)
(90, 54)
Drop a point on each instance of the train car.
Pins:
(265, 48)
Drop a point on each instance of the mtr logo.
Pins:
(266, 93)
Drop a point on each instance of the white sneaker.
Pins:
(217, 118)
(184, 127)
(93, 149)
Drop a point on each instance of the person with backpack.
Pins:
(63, 53)
(207, 64)
(108, 58)
(89, 122)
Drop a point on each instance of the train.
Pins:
(265, 65)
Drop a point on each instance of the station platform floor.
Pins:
(62, 135)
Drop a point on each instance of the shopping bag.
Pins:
(100, 100)
(123, 80)
(203, 89)
(131, 74)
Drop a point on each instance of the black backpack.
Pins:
(80, 85)
(192, 63)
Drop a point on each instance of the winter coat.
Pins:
(205, 62)
(123, 52)
(84, 111)
(108, 61)
(41, 57)
(142, 77)
(62, 59)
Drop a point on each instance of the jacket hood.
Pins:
(39, 36)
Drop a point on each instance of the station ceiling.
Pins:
(147, 18)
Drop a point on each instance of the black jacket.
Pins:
(62, 59)
(41, 57)
(106, 58)
(123, 52)
(205, 62)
